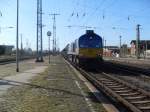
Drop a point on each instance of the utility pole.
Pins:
(39, 57)
(21, 42)
(120, 45)
(17, 35)
(21, 45)
(103, 41)
(146, 49)
(137, 41)
(105, 47)
(54, 31)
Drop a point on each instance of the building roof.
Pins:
(111, 47)
(141, 41)
(6, 46)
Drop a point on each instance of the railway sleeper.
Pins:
(145, 108)
(120, 88)
(140, 102)
(105, 80)
(116, 86)
(135, 97)
(142, 105)
(127, 84)
(130, 94)
(123, 91)
(111, 82)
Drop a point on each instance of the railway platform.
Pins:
(56, 89)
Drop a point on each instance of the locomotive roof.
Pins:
(90, 33)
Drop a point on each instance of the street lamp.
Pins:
(49, 34)
(17, 35)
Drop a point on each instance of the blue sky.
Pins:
(103, 14)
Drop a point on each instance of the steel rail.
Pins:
(141, 72)
(123, 92)
(132, 69)
(130, 96)
(12, 60)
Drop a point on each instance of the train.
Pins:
(85, 51)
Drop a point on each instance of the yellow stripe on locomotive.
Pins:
(90, 52)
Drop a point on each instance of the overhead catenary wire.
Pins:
(104, 11)
(88, 16)
(94, 11)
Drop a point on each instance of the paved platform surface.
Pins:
(10, 69)
(19, 79)
(58, 89)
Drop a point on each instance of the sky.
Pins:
(102, 15)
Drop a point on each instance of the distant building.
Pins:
(6, 49)
(125, 50)
(110, 50)
(144, 46)
(28, 51)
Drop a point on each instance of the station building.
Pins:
(6, 49)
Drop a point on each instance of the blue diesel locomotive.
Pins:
(86, 50)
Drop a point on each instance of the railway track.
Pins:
(13, 60)
(135, 99)
(132, 97)
(141, 74)
(130, 69)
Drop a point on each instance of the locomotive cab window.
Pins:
(90, 42)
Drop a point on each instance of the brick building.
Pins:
(144, 46)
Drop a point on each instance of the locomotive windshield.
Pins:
(91, 42)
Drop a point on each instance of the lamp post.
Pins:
(49, 34)
(17, 34)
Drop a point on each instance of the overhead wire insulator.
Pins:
(84, 14)
(72, 14)
(128, 18)
(103, 17)
(77, 15)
